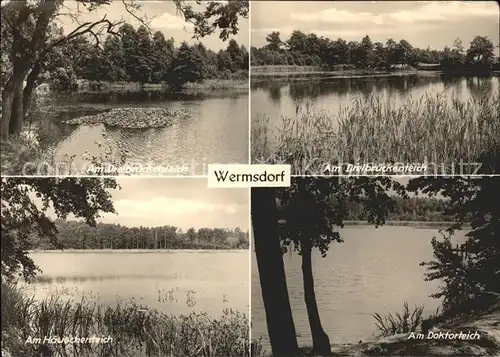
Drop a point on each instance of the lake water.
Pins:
(170, 281)
(215, 132)
(278, 97)
(373, 270)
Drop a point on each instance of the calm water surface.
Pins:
(374, 270)
(280, 96)
(170, 281)
(215, 132)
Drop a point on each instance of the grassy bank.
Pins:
(340, 71)
(135, 331)
(237, 83)
(219, 84)
(393, 333)
(283, 69)
(350, 70)
(372, 129)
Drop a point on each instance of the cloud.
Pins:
(334, 33)
(429, 11)
(168, 21)
(337, 16)
(443, 11)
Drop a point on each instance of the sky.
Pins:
(422, 24)
(180, 202)
(162, 16)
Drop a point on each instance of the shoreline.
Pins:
(409, 224)
(258, 71)
(230, 85)
(403, 344)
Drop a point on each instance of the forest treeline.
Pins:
(418, 209)
(410, 209)
(136, 55)
(302, 49)
(79, 235)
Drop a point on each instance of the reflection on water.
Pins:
(199, 281)
(374, 270)
(281, 97)
(215, 132)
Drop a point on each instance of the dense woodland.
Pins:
(410, 209)
(79, 235)
(137, 56)
(302, 49)
(419, 209)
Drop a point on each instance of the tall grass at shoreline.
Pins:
(239, 81)
(372, 129)
(407, 321)
(136, 331)
(218, 84)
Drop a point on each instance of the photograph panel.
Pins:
(156, 88)
(124, 267)
(375, 82)
(376, 266)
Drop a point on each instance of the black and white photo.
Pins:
(358, 82)
(363, 266)
(158, 85)
(134, 267)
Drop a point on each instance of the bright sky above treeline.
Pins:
(422, 24)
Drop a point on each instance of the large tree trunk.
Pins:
(7, 105)
(30, 85)
(12, 103)
(279, 318)
(321, 342)
(17, 115)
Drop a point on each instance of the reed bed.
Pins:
(434, 129)
(283, 68)
(135, 330)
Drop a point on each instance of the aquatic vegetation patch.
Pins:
(133, 118)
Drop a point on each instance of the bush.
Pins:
(406, 322)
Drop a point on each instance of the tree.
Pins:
(297, 42)
(236, 54)
(458, 46)
(367, 55)
(272, 273)
(31, 26)
(22, 218)
(274, 41)
(217, 16)
(163, 52)
(114, 60)
(144, 56)
(313, 208)
(471, 284)
(191, 234)
(481, 50)
(187, 66)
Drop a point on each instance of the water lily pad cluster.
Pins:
(133, 118)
